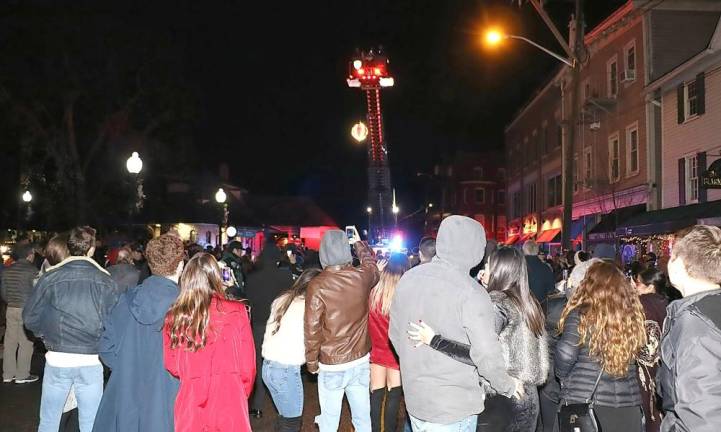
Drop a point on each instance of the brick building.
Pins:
(473, 185)
(616, 153)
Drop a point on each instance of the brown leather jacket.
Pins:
(336, 312)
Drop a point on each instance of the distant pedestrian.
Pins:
(336, 330)
(231, 258)
(208, 345)
(386, 389)
(123, 272)
(140, 394)
(66, 310)
(264, 285)
(689, 377)
(17, 284)
(540, 275)
(284, 353)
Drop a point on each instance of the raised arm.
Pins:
(368, 267)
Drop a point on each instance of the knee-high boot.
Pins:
(289, 424)
(378, 398)
(392, 406)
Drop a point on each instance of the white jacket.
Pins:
(287, 346)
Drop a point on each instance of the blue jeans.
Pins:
(286, 388)
(355, 384)
(88, 382)
(466, 425)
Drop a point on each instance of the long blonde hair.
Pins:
(611, 317)
(187, 320)
(382, 294)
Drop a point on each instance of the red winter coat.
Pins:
(216, 380)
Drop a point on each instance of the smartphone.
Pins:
(226, 274)
(289, 253)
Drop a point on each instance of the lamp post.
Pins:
(369, 210)
(134, 165)
(570, 91)
(395, 209)
(221, 198)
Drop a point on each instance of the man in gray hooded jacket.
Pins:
(439, 391)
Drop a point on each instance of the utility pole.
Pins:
(572, 89)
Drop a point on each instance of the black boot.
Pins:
(289, 424)
(392, 406)
(378, 398)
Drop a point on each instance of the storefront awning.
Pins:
(526, 236)
(605, 230)
(549, 236)
(669, 220)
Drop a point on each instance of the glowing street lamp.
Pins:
(220, 196)
(134, 164)
(493, 37)
(27, 196)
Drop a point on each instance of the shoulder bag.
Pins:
(579, 417)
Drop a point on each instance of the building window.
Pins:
(630, 57)
(480, 196)
(559, 137)
(554, 190)
(692, 178)
(612, 77)
(632, 149)
(587, 166)
(614, 160)
(531, 198)
(501, 197)
(516, 204)
(691, 99)
(576, 174)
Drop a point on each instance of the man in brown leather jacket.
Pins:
(336, 330)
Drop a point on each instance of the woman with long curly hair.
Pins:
(208, 345)
(602, 331)
(385, 378)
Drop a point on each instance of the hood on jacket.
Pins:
(461, 241)
(335, 249)
(150, 301)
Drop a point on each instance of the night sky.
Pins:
(269, 78)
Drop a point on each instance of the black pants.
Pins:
(257, 400)
(549, 413)
(626, 419)
(502, 414)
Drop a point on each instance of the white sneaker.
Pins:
(8, 380)
(28, 379)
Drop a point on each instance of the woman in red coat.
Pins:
(385, 371)
(208, 345)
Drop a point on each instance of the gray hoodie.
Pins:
(437, 388)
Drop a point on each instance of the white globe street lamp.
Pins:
(134, 164)
(220, 196)
(27, 196)
(359, 131)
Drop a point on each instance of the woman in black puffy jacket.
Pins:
(602, 331)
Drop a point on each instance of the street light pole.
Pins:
(369, 210)
(221, 198)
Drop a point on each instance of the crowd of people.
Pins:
(475, 337)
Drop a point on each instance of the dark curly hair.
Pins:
(164, 253)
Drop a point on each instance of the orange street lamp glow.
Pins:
(494, 37)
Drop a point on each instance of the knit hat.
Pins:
(335, 249)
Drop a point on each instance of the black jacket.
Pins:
(578, 373)
(68, 305)
(689, 379)
(17, 282)
(553, 307)
(540, 277)
(265, 283)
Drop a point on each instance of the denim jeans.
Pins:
(88, 384)
(355, 384)
(466, 425)
(286, 388)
